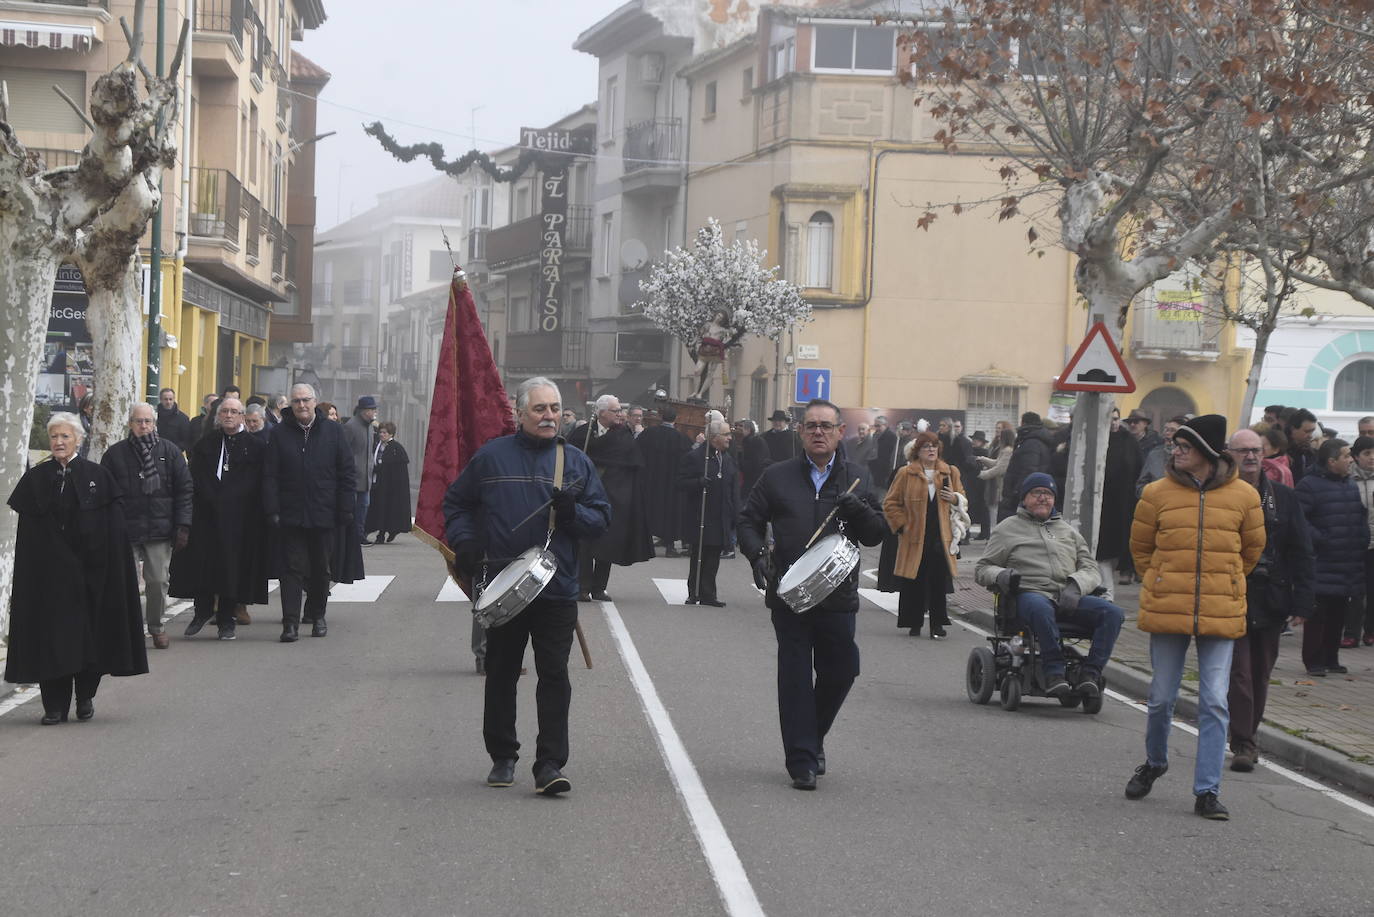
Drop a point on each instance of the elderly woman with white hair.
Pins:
(74, 609)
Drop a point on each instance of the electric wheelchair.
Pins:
(1012, 664)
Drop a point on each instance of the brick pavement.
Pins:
(1336, 712)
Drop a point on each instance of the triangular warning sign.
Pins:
(1096, 366)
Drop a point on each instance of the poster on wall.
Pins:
(68, 355)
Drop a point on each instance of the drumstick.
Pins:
(852, 484)
(582, 642)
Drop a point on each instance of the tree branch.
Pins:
(76, 108)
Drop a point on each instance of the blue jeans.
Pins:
(360, 500)
(1167, 654)
(1041, 615)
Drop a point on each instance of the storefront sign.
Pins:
(574, 142)
(554, 229)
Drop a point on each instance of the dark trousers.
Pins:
(305, 569)
(1359, 619)
(57, 692)
(1042, 615)
(593, 575)
(710, 564)
(221, 608)
(1321, 635)
(361, 500)
(822, 641)
(548, 626)
(978, 507)
(1252, 661)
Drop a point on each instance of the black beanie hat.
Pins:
(1207, 433)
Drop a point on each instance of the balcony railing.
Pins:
(1174, 328)
(358, 292)
(552, 351)
(322, 293)
(221, 16)
(283, 109)
(217, 199)
(103, 4)
(525, 238)
(477, 244)
(653, 144)
(253, 208)
(353, 359)
(55, 159)
(286, 245)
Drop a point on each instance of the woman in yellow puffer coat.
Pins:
(1197, 533)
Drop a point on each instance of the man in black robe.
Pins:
(711, 481)
(782, 441)
(753, 455)
(885, 457)
(662, 445)
(611, 446)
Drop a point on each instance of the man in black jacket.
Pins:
(886, 457)
(711, 481)
(781, 441)
(1033, 450)
(1280, 589)
(796, 496)
(307, 493)
(172, 424)
(157, 506)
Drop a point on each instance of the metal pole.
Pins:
(155, 255)
(701, 527)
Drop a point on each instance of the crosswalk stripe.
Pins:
(450, 592)
(887, 601)
(674, 591)
(368, 589)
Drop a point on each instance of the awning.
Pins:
(51, 35)
(633, 386)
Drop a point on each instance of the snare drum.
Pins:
(818, 572)
(515, 587)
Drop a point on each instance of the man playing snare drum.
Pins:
(797, 496)
(511, 479)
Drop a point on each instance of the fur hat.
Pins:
(1206, 433)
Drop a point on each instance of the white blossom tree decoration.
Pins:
(711, 296)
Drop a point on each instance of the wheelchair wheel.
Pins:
(1070, 700)
(980, 675)
(1011, 692)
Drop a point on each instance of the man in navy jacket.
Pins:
(508, 480)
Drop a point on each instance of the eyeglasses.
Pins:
(1253, 451)
(1182, 447)
(811, 426)
(302, 400)
(1041, 494)
(229, 411)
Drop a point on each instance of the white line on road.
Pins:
(726, 869)
(674, 591)
(451, 592)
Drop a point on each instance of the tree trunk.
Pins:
(1262, 335)
(116, 333)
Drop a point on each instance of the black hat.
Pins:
(780, 414)
(979, 436)
(1138, 414)
(1206, 432)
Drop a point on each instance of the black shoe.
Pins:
(1208, 806)
(502, 772)
(1138, 787)
(1337, 669)
(52, 719)
(820, 764)
(1317, 671)
(319, 628)
(85, 709)
(915, 632)
(937, 632)
(806, 781)
(714, 603)
(601, 597)
(549, 781)
(1089, 684)
(1056, 686)
(690, 600)
(227, 633)
(289, 634)
(194, 627)
(584, 596)
(391, 537)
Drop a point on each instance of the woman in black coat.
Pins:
(74, 610)
(388, 511)
(1340, 534)
(1118, 500)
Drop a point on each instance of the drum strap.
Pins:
(557, 483)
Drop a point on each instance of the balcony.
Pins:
(322, 293)
(216, 203)
(252, 244)
(219, 34)
(522, 241)
(652, 155)
(355, 359)
(286, 255)
(358, 292)
(547, 351)
(1163, 330)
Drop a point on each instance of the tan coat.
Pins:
(905, 509)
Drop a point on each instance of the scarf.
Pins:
(148, 473)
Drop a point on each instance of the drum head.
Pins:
(507, 578)
(810, 562)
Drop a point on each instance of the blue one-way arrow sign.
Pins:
(812, 383)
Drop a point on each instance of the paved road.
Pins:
(344, 776)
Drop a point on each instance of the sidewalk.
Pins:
(1322, 725)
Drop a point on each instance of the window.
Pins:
(479, 208)
(746, 83)
(854, 49)
(440, 266)
(608, 109)
(252, 133)
(33, 106)
(820, 250)
(782, 58)
(1354, 389)
(519, 313)
(520, 203)
(741, 230)
(711, 99)
(988, 400)
(607, 233)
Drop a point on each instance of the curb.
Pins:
(1310, 757)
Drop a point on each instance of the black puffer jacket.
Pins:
(1281, 583)
(1340, 532)
(1033, 450)
(174, 425)
(786, 497)
(308, 481)
(156, 516)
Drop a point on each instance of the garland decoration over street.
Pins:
(434, 152)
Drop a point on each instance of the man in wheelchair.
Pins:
(1044, 565)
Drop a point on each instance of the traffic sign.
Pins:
(812, 383)
(1096, 366)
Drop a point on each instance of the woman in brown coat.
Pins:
(917, 509)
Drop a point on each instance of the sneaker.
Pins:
(1055, 685)
(549, 781)
(937, 632)
(1243, 761)
(194, 627)
(1208, 806)
(502, 772)
(227, 633)
(1089, 684)
(1138, 787)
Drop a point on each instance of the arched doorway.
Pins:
(1165, 402)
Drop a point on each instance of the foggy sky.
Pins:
(429, 63)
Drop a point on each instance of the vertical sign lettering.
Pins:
(554, 210)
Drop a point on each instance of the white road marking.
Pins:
(887, 601)
(368, 589)
(736, 892)
(22, 696)
(674, 591)
(451, 593)
(871, 573)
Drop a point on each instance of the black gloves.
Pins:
(1069, 596)
(467, 557)
(1008, 580)
(763, 568)
(850, 506)
(564, 507)
(183, 538)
